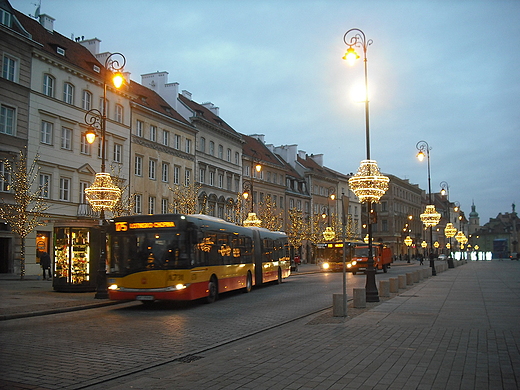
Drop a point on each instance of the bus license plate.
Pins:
(144, 298)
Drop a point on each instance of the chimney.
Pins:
(288, 153)
(47, 22)
(259, 137)
(318, 159)
(210, 106)
(91, 44)
(186, 94)
(158, 82)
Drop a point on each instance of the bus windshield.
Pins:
(142, 251)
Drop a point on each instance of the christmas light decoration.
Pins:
(103, 194)
(329, 234)
(450, 230)
(252, 220)
(368, 183)
(408, 241)
(430, 217)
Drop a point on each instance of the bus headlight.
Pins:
(354, 262)
(180, 286)
(113, 287)
(325, 265)
(349, 265)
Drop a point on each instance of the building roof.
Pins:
(255, 148)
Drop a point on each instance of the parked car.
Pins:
(442, 257)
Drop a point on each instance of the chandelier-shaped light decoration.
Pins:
(252, 220)
(368, 183)
(461, 237)
(450, 230)
(103, 194)
(408, 241)
(430, 217)
(329, 234)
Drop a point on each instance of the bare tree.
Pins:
(27, 209)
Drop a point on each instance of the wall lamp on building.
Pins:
(103, 194)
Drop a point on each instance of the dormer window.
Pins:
(97, 69)
(60, 51)
(5, 18)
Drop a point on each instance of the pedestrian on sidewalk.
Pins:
(45, 262)
(421, 258)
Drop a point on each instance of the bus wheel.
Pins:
(212, 290)
(279, 280)
(249, 282)
(385, 268)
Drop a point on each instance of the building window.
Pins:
(118, 153)
(138, 207)
(138, 168)
(64, 189)
(237, 158)
(164, 206)
(119, 113)
(152, 167)
(165, 172)
(153, 133)
(46, 133)
(165, 137)
(86, 148)
(202, 175)
(220, 180)
(4, 177)
(48, 85)
(151, 205)
(211, 178)
(68, 93)
(187, 177)
(10, 68)
(86, 100)
(176, 174)
(139, 128)
(202, 146)
(188, 145)
(82, 186)
(228, 157)
(7, 115)
(211, 148)
(177, 142)
(66, 138)
(100, 149)
(221, 152)
(44, 183)
(5, 18)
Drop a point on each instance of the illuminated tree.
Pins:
(185, 199)
(296, 228)
(269, 215)
(27, 210)
(126, 203)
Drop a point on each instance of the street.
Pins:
(79, 349)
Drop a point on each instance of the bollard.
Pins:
(402, 281)
(415, 275)
(384, 288)
(425, 273)
(409, 279)
(337, 305)
(394, 285)
(360, 298)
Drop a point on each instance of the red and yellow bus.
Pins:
(187, 257)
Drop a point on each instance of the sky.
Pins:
(444, 72)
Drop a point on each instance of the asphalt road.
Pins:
(80, 349)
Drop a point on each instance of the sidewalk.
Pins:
(457, 330)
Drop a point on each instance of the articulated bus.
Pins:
(187, 257)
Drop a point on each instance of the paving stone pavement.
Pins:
(457, 330)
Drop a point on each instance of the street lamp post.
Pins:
(368, 183)
(252, 219)
(103, 194)
(430, 217)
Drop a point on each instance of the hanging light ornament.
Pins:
(329, 234)
(430, 217)
(408, 241)
(368, 183)
(252, 220)
(103, 194)
(450, 230)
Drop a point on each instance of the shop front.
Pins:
(76, 256)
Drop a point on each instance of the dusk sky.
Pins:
(446, 72)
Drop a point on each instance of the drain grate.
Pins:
(189, 358)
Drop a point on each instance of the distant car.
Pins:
(514, 256)
(442, 257)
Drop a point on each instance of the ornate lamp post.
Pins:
(329, 234)
(430, 217)
(252, 219)
(368, 183)
(103, 194)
